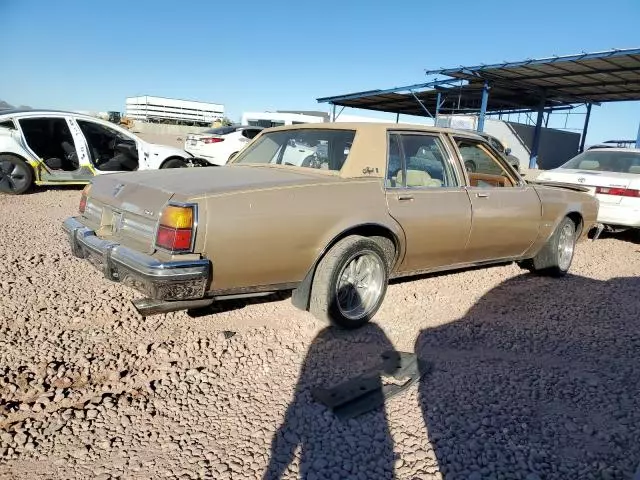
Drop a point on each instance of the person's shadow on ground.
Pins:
(530, 386)
(359, 448)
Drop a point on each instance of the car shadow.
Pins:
(360, 447)
(631, 235)
(537, 384)
(221, 306)
(422, 276)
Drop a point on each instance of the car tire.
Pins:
(174, 163)
(16, 175)
(470, 166)
(555, 258)
(232, 156)
(335, 298)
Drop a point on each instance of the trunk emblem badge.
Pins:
(581, 179)
(117, 189)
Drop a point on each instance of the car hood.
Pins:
(198, 182)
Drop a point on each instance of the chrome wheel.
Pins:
(360, 285)
(566, 245)
(13, 177)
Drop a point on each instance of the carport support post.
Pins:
(533, 159)
(585, 128)
(435, 119)
(397, 117)
(638, 137)
(483, 106)
(333, 112)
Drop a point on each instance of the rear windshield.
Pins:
(606, 161)
(221, 130)
(323, 149)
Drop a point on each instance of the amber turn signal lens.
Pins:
(177, 217)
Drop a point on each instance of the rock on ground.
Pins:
(533, 378)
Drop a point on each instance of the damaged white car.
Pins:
(46, 147)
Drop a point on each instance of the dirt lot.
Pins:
(533, 378)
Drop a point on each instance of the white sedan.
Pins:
(47, 147)
(218, 145)
(613, 176)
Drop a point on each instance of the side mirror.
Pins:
(507, 151)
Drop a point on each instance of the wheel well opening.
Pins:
(576, 218)
(372, 231)
(175, 157)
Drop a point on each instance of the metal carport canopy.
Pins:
(546, 84)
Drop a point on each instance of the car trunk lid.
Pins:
(604, 185)
(126, 207)
(125, 211)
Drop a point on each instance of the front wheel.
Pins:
(16, 176)
(350, 282)
(557, 254)
(174, 163)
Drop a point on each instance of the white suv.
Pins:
(218, 145)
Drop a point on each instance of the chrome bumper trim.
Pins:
(173, 280)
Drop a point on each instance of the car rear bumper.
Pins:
(619, 215)
(173, 280)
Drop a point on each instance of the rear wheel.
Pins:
(350, 282)
(174, 163)
(16, 176)
(232, 156)
(556, 256)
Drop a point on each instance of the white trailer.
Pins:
(170, 110)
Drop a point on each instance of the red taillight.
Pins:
(83, 199)
(177, 240)
(176, 228)
(212, 140)
(621, 192)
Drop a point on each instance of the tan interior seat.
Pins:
(418, 178)
(635, 169)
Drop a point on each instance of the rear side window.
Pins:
(48, 137)
(418, 160)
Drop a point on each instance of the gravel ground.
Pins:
(533, 378)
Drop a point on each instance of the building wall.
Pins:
(165, 128)
(556, 146)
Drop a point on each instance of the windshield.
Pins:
(606, 161)
(323, 149)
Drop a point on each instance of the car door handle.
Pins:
(405, 198)
(482, 195)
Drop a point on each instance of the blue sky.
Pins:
(281, 54)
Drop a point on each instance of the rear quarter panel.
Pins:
(557, 203)
(273, 236)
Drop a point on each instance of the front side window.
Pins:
(483, 168)
(110, 150)
(417, 160)
(325, 149)
(8, 124)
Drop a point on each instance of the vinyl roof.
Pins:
(600, 77)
